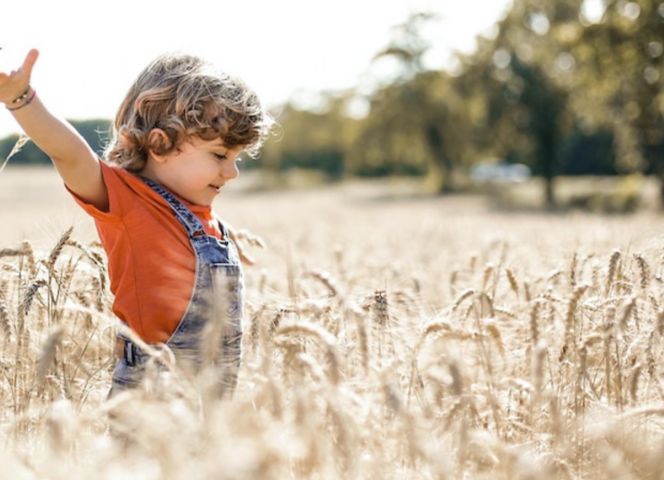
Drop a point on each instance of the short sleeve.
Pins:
(115, 186)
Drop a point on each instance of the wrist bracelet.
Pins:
(22, 97)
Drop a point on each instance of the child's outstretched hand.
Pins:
(14, 83)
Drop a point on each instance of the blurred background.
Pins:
(537, 104)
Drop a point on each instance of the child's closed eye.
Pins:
(221, 156)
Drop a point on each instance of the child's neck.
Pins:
(148, 172)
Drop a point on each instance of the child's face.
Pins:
(198, 171)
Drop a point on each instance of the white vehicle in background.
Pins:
(504, 173)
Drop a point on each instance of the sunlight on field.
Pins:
(386, 335)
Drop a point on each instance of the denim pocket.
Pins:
(227, 281)
(127, 376)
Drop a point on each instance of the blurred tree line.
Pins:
(559, 88)
(568, 87)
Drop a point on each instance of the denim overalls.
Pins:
(217, 296)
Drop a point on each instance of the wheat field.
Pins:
(387, 335)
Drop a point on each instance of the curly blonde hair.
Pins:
(185, 97)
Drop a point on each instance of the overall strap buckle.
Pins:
(127, 350)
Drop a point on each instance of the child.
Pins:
(176, 140)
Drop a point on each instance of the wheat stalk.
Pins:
(251, 238)
(613, 268)
(380, 308)
(326, 339)
(362, 335)
(488, 271)
(461, 298)
(608, 327)
(514, 284)
(327, 280)
(570, 319)
(29, 297)
(11, 252)
(630, 309)
(22, 140)
(534, 327)
(47, 355)
(4, 319)
(644, 271)
(634, 383)
(57, 249)
(29, 253)
(572, 271)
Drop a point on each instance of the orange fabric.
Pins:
(151, 263)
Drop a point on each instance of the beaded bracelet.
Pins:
(21, 98)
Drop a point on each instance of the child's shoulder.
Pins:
(125, 188)
(113, 170)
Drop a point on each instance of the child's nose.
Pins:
(230, 171)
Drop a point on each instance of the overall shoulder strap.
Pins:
(185, 216)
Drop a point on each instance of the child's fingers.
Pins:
(29, 62)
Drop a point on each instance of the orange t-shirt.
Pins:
(151, 263)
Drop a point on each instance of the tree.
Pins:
(618, 84)
(418, 119)
(538, 110)
(317, 140)
(526, 112)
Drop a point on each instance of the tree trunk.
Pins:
(661, 191)
(443, 163)
(547, 140)
(654, 157)
(549, 193)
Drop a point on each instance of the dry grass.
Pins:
(384, 338)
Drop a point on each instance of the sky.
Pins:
(90, 52)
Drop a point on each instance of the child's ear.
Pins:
(158, 144)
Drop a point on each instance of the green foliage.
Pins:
(588, 154)
(624, 198)
(312, 140)
(622, 58)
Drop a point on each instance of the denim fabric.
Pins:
(217, 296)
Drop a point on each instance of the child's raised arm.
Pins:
(73, 158)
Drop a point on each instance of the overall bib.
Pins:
(217, 297)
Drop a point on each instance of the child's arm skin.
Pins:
(73, 158)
